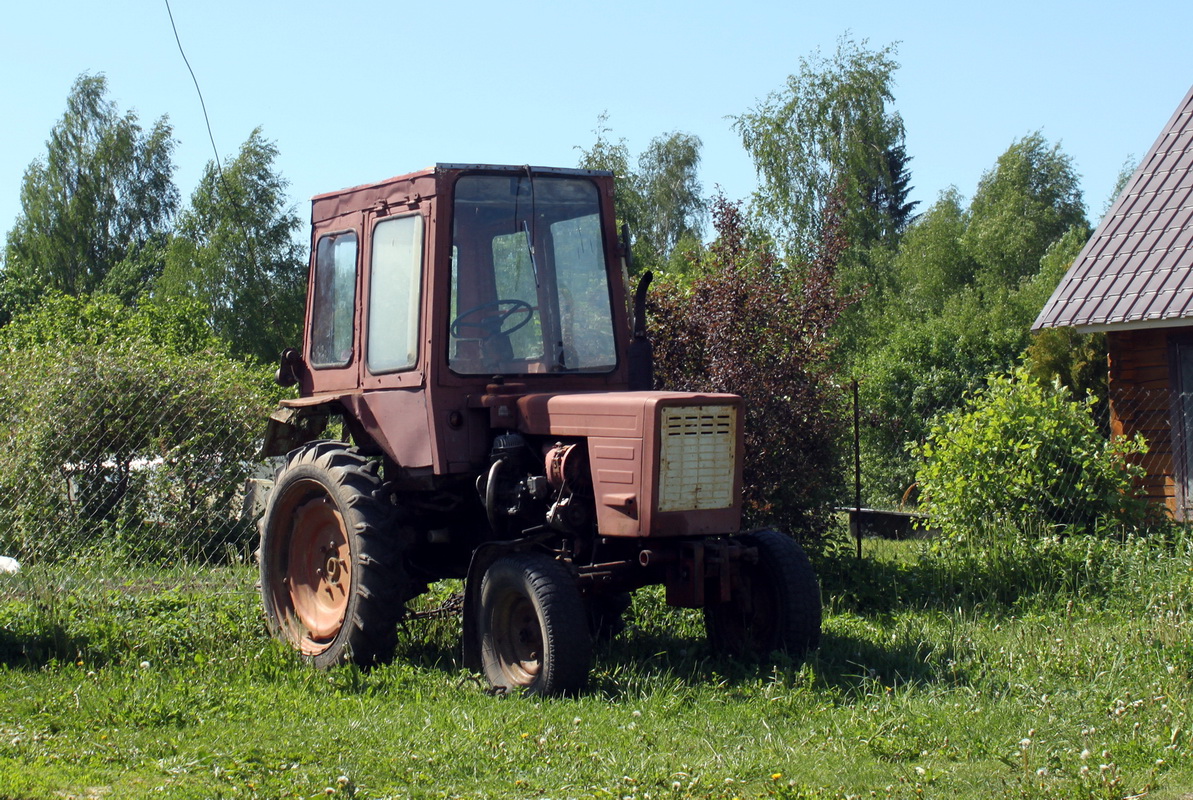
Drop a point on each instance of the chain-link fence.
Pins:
(1025, 453)
(126, 467)
(118, 469)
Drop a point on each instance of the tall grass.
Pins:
(1030, 668)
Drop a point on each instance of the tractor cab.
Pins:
(444, 282)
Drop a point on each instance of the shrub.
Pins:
(747, 323)
(132, 434)
(1028, 457)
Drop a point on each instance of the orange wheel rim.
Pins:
(314, 583)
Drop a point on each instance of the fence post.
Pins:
(857, 470)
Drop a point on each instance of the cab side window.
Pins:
(395, 281)
(334, 300)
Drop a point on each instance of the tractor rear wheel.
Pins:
(777, 606)
(533, 626)
(332, 581)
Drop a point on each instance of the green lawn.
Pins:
(1057, 671)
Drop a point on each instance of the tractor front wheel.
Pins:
(331, 571)
(533, 626)
(775, 607)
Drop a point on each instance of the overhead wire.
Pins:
(202, 104)
(241, 212)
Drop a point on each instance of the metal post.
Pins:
(857, 469)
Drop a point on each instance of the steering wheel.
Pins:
(493, 324)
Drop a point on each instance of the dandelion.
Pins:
(635, 713)
(1085, 754)
(775, 776)
(144, 665)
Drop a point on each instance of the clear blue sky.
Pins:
(353, 92)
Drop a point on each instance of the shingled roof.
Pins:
(1136, 271)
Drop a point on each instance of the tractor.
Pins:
(470, 340)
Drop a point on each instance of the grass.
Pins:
(1025, 670)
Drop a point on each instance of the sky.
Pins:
(356, 92)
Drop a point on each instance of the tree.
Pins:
(234, 252)
(672, 202)
(752, 324)
(661, 201)
(95, 209)
(931, 264)
(1075, 360)
(1125, 173)
(831, 130)
(614, 156)
(889, 197)
(1030, 198)
(965, 297)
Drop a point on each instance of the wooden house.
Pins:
(1134, 281)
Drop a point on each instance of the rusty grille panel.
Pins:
(697, 464)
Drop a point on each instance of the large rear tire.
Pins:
(533, 626)
(332, 581)
(777, 606)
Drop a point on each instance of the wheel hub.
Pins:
(319, 571)
(524, 653)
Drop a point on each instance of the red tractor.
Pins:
(468, 327)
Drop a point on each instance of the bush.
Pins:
(749, 324)
(1027, 457)
(132, 434)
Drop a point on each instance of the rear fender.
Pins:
(291, 428)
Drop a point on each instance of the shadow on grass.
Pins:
(49, 644)
(661, 654)
(994, 580)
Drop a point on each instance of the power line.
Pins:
(199, 91)
(253, 274)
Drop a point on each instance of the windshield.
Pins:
(530, 293)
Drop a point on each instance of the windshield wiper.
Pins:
(534, 267)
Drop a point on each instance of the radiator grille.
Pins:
(697, 464)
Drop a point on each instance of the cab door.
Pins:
(393, 341)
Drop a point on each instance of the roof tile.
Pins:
(1138, 265)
